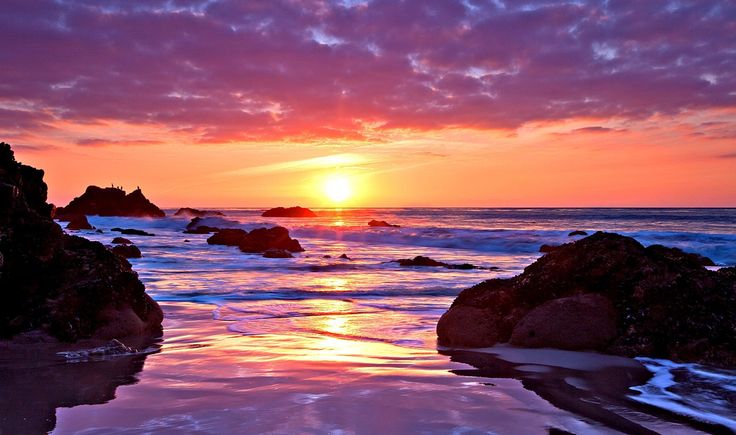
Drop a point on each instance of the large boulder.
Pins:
(609, 293)
(109, 201)
(79, 222)
(127, 251)
(258, 240)
(289, 212)
(60, 285)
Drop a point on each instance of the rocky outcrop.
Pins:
(421, 261)
(133, 232)
(60, 285)
(609, 293)
(577, 233)
(375, 223)
(79, 222)
(109, 201)
(258, 240)
(277, 253)
(289, 212)
(121, 241)
(206, 225)
(193, 212)
(545, 249)
(127, 251)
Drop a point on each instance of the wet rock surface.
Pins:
(609, 293)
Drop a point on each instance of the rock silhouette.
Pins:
(609, 293)
(289, 212)
(375, 223)
(258, 240)
(59, 285)
(109, 201)
(193, 212)
(79, 222)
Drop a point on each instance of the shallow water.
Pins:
(314, 344)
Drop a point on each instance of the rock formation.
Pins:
(289, 212)
(59, 285)
(109, 201)
(257, 240)
(375, 223)
(193, 212)
(79, 222)
(127, 251)
(609, 293)
(421, 261)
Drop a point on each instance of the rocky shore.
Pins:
(56, 286)
(608, 293)
(109, 201)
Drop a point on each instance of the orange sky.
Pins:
(667, 161)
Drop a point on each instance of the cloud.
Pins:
(308, 70)
(316, 163)
(97, 142)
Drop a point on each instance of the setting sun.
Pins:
(337, 188)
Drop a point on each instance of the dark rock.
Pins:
(677, 254)
(547, 248)
(65, 286)
(277, 253)
(127, 251)
(421, 261)
(345, 257)
(193, 212)
(99, 231)
(132, 232)
(79, 222)
(577, 233)
(228, 237)
(289, 212)
(329, 256)
(121, 241)
(375, 223)
(577, 322)
(109, 201)
(187, 240)
(261, 239)
(665, 304)
(199, 225)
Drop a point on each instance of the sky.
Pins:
(220, 103)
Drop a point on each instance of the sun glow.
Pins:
(337, 188)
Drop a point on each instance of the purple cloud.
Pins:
(280, 69)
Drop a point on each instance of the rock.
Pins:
(99, 231)
(193, 212)
(429, 262)
(228, 237)
(207, 225)
(64, 286)
(577, 322)
(132, 232)
(127, 251)
(79, 222)
(277, 253)
(121, 241)
(577, 233)
(289, 212)
(547, 248)
(109, 201)
(375, 223)
(257, 240)
(345, 257)
(661, 302)
(330, 256)
(261, 239)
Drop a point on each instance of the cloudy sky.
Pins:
(441, 102)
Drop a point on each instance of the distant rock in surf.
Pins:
(193, 212)
(421, 261)
(375, 223)
(345, 257)
(64, 286)
(109, 201)
(79, 222)
(609, 293)
(206, 225)
(121, 241)
(277, 253)
(577, 233)
(256, 241)
(132, 232)
(289, 212)
(127, 251)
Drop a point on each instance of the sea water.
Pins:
(320, 344)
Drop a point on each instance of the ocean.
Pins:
(320, 344)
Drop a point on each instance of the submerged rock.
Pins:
(277, 253)
(207, 225)
(375, 223)
(65, 286)
(127, 251)
(422, 261)
(257, 240)
(132, 232)
(609, 293)
(79, 222)
(109, 201)
(345, 257)
(193, 212)
(289, 212)
(121, 241)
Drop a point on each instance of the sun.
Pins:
(337, 188)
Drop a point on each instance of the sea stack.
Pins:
(608, 293)
(57, 285)
(300, 212)
(109, 201)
